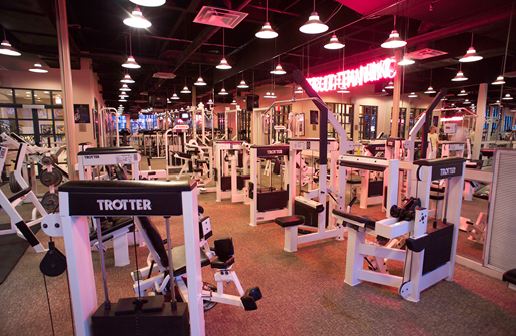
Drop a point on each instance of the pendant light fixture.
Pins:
(149, 3)
(343, 88)
(122, 100)
(430, 90)
(127, 79)
(394, 41)
(507, 97)
(137, 20)
(223, 65)
(210, 102)
(278, 70)
(223, 91)
(466, 102)
(462, 93)
(125, 87)
(242, 84)
(500, 80)
(406, 60)
(174, 96)
(7, 49)
(266, 32)
(38, 68)
(412, 95)
(298, 90)
(471, 54)
(233, 102)
(200, 81)
(334, 43)
(185, 90)
(314, 25)
(130, 63)
(390, 85)
(459, 77)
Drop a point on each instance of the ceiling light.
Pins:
(122, 100)
(131, 63)
(233, 102)
(466, 102)
(430, 90)
(242, 85)
(459, 77)
(394, 41)
(210, 102)
(174, 96)
(278, 70)
(499, 80)
(269, 95)
(343, 90)
(390, 85)
(7, 49)
(149, 3)
(462, 93)
(38, 68)
(507, 97)
(298, 89)
(200, 82)
(314, 25)
(223, 92)
(406, 61)
(266, 32)
(412, 95)
(127, 79)
(471, 56)
(137, 20)
(125, 87)
(334, 43)
(123, 95)
(185, 90)
(223, 65)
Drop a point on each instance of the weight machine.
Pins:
(268, 203)
(106, 127)
(430, 254)
(230, 156)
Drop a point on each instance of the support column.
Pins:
(480, 120)
(396, 95)
(66, 85)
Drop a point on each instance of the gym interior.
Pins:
(258, 167)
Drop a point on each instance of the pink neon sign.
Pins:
(371, 72)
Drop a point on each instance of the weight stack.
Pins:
(157, 319)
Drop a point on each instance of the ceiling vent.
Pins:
(425, 53)
(219, 17)
(510, 74)
(164, 75)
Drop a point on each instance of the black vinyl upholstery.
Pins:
(510, 276)
(368, 222)
(288, 221)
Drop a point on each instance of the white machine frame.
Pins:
(221, 148)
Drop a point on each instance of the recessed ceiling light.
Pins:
(149, 3)
(137, 20)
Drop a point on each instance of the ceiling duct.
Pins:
(219, 17)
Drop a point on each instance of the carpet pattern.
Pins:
(303, 293)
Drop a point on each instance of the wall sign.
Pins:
(371, 72)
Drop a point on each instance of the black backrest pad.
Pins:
(155, 239)
(437, 246)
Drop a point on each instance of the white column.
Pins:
(480, 120)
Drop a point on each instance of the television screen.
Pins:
(185, 116)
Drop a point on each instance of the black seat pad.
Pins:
(288, 221)
(222, 264)
(184, 155)
(178, 253)
(111, 225)
(510, 276)
(368, 222)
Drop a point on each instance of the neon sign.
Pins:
(371, 72)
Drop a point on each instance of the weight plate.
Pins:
(50, 202)
(47, 161)
(49, 178)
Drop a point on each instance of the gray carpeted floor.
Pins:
(304, 293)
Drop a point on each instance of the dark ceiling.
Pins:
(175, 44)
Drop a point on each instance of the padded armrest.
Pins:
(355, 219)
